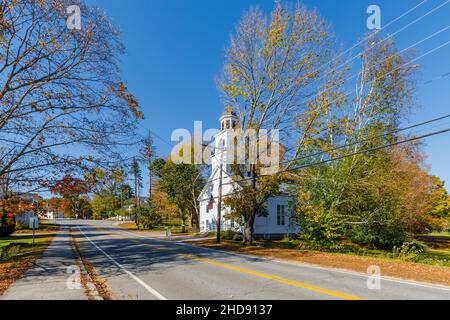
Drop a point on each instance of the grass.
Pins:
(43, 228)
(437, 250)
(175, 229)
(437, 234)
(18, 254)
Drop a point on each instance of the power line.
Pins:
(402, 29)
(363, 140)
(369, 139)
(381, 41)
(442, 76)
(359, 73)
(347, 93)
(339, 158)
(371, 35)
(372, 149)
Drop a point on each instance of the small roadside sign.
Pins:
(34, 224)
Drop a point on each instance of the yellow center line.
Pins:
(298, 284)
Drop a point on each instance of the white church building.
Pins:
(279, 221)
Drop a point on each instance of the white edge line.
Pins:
(303, 264)
(314, 266)
(130, 274)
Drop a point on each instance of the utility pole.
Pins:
(219, 204)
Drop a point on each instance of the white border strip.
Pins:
(131, 275)
(293, 263)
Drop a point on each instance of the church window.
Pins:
(281, 215)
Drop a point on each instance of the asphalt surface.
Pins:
(137, 267)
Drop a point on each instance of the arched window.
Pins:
(221, 144)
(228, 124)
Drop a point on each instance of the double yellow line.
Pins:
(298, 284)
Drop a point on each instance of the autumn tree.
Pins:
(60, 90)
(168, 211)
(72, 189)
(272, 67)
(55, 205)
(440, 204)
(362, 193)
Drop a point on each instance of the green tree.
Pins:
(137, 178)
(246, 203)
(440, 204)
(359, 196)
(85, 207)
(148, 154)
(104, 206)
(148, 216)
(110, 191)
(178, 181)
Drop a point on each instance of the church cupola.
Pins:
(228, 120)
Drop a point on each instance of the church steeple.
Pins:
(228, 120)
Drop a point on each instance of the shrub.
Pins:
(21, 226)
(379, 236)
(409, 250)
(7, 224)
(9, 252)
(148, 217)
(228, 235)
(319, 226)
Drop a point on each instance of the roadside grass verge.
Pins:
(17, 254)
(43, 228)
(430, 266)
(160, 228)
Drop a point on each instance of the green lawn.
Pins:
(437, 234)
(159, 228)
(43, 228)
(17, 254)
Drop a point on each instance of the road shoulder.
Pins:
(429, 274)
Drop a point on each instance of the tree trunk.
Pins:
(248, 230)
(183, 221)
(191, 220)
(249, 224)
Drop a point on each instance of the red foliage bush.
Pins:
(7, 224)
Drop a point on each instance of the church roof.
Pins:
(229, 111)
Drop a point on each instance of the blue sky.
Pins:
(175, 49)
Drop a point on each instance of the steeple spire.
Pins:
(228, 120)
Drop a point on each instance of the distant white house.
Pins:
(279, 221)
(51, 215)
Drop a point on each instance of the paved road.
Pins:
(137, 267)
